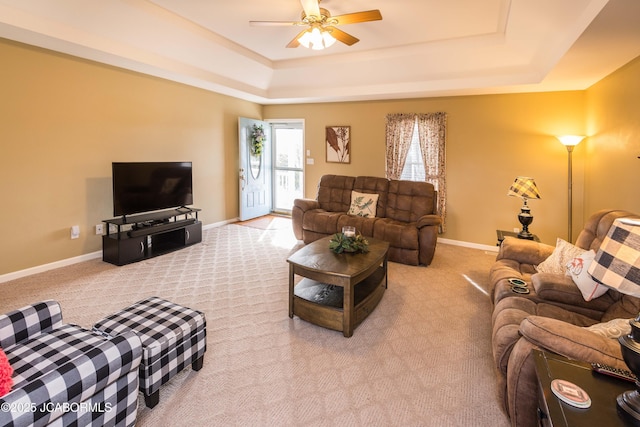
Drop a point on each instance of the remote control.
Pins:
(622, 374)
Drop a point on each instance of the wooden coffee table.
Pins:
(338, 291)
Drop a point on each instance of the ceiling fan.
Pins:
(322, 31)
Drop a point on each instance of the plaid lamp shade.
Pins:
(524, 187)
(617, 263)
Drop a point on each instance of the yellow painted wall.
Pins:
(63, 121)
(491, 140)
(613, 147)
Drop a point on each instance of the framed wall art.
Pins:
(338, 141)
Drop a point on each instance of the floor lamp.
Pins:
(570, 141)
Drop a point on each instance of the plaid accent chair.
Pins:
(66, 375)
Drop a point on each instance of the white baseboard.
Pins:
(81, 258)
(469, 245)
(50, 266)
(93, 255)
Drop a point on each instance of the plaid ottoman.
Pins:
(172, 337)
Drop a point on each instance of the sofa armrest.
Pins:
(75, 381)
(426, 220)
(571, 341)
(306, 204)
(26, 322)
(524, 251)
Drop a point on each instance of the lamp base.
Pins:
(525, 219)
(628, 404)
(525, 235)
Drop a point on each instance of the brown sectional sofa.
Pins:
(405, 215)
(553, 317)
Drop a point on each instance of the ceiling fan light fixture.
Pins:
(316, 38)
(328, 38)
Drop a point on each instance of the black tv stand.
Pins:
(134, 238)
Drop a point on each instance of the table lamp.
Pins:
(525, 188)
(617, 265)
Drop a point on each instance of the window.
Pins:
(415, 150)
(414, 166)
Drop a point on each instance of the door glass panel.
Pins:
(288, 173)
(254, 164)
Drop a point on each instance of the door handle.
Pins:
(242, 179)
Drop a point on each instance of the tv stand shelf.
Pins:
(144, 236)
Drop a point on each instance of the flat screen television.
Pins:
(149, 186)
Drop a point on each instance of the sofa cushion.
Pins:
(627, 306)
(334, 192)
(597, 227)
(577, 269)
(410, 200)
(363, 225)
(321, 221)
(560, 290)
(561, 255)
(399, 234)
(363, 204)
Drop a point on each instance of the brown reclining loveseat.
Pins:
(405, 215)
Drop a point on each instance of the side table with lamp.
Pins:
(525, 188)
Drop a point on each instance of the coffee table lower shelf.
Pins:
(322, 304)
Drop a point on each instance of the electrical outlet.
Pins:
(75, 231)
(516, 230)
(99, 229)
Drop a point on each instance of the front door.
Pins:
(255, 168)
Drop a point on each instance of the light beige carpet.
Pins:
(422, 358)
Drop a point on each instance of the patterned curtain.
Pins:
(399, 133)
(432, 136)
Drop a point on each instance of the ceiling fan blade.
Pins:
(275, 23)
(353, 18)
(295, 42)
(310, 7)
(340, 35)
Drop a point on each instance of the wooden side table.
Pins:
(602, 389)
(503, 233)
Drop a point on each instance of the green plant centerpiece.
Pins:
(340, 243)
(257, 140)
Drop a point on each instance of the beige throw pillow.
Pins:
(557, 261)
(363, 204)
